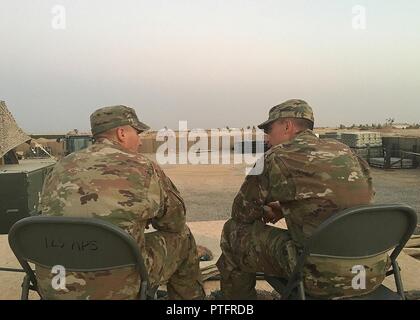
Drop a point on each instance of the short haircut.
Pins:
(302, 124)
(110, 133)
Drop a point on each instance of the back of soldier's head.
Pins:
(105, 119)
(296, 110)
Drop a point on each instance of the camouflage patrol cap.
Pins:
(107, 118)
(290, 109)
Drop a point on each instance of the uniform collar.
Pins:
(298, 137)
(106, 141)
(303, 136)
(303, 133)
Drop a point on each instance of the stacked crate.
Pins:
(361, 139)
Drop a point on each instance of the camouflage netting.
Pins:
(11, 135)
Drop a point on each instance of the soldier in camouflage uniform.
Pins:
(305, 180)
(112, 181)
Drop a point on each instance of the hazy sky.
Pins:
(213, 63)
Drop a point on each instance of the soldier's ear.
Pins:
(120, 133)
(288, 124)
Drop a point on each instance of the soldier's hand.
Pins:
(272, 212)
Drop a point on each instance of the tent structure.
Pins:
(11, 135)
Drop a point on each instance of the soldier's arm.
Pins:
(249, 202)
(151, 196)
(171, 216)
(248, 205)
(280, 185)
(259, 191)
(47, 194)
(366, 171)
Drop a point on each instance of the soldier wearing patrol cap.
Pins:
(305, 180)
(112, 181)
(107, 118)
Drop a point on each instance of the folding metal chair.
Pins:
(355, 233)
(78, 244)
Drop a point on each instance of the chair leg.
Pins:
(151, 293)
(301, 290)
(398, 281)
(25, 288)
(143, 293)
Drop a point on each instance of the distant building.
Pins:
(400, 125)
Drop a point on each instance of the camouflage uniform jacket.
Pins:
(312, 179)
(106, 182)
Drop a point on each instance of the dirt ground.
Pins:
(209, 190)
(397, 186)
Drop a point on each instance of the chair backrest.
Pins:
(78, 244)
(359, 232)
(364, 231)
